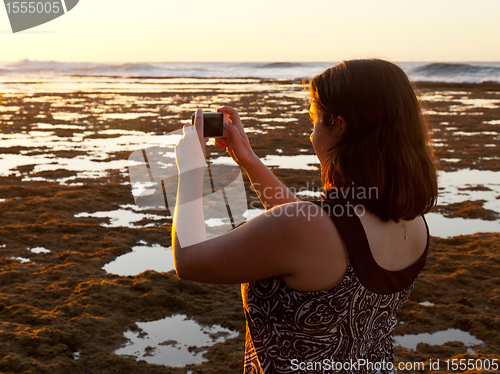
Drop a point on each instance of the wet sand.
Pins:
(62, 313)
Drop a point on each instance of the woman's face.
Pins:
(322, 138)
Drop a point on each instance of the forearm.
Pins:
(270, 190)
(189, 221)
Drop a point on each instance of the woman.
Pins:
(321, 283)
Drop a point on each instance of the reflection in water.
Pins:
(123, 217)
(445, 227)
(142, 258)
(426, 303)
(173, 341)
(438, 338)
(39, 250)
(300, 162)
(455, 187)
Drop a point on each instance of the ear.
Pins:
(341, 124)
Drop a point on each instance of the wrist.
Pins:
(251, 162)
(253, 165)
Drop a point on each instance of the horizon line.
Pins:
(243, 61)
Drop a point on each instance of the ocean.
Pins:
(463, 72)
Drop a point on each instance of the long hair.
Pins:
(385, 147)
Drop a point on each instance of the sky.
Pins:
(271, 30)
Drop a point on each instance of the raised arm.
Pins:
(270, 190)
(287, 240)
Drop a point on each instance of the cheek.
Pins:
(313, 138)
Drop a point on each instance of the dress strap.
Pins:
(371, 275)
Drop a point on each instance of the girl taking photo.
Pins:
(322, 282)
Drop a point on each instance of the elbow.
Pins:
(181, 266)
(181, 272)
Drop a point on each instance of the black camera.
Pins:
(213, 124)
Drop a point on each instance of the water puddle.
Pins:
(445, 227)
(454, 187)
(155, 257)
(124, 217)
(426, 303)
(438, 338)
(142, 258)
(97, 146)
(307, 194)
(301, 162)
(479, 103)
(277, 119)
(39, 250)
(125, 116)
(68, 116)
(49, 126)
(173, 341)
(252, 213)
(9, 108)
(472, 133)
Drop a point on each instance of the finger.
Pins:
(220, 143)
(233, 133)
(198, 122)
(231, 111)
(235, 117)
(223, 143)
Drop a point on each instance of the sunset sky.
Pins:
(271, 30)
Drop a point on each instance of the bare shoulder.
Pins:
(294, 224)
(320, 257)
(297, 212)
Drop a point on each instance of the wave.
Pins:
(457, 72)
(418, 71)
(280, 65)
(80, 68)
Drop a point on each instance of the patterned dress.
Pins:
(345, 329)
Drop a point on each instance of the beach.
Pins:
(68, 211)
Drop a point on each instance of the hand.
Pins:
(190, 150)
(236, 143)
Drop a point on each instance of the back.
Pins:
(291, 331)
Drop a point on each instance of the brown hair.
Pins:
(386, 143)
